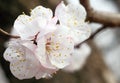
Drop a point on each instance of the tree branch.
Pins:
(92, 36)
(5, 35)
(105, 18)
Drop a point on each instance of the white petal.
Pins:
(45, 73)
(60, 59)
(42, 12)
(48, 28)
(26, 26)
(30, 45)
(14, 53)
(23, 62)
(40, 51)
(14, 32)
(80, 34)
(17, 49)
(21, 70)
(70, 15)
(79, 57)
(41, 54)
(60, 48)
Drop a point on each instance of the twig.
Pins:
(92, 36)
(105, 18)
(98, 31)
(5, 34)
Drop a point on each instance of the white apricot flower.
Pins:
(43, 46)
(73, 16)
(56, 47)
(41, 21)
(79, 57)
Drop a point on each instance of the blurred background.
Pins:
(103, 64)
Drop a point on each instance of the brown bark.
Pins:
(105, 18)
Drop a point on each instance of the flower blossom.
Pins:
(44, 46)
(73, 16)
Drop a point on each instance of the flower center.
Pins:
(48, 48)
(51, 46)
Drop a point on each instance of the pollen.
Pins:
(57, 47)
(59, 54)
(48, 48)
(53, 34)
(75, 22)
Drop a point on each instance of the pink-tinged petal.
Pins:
(54, 20)
(48, 28)
(70, 15)
(22, 70)
(28, 65)
(60, 12)
(30, 45)
(12, 41)
(24, 65)
(14, 53)
(16, 49)
(41, 23)
(41, 54)
(60, 48)
(59, 59)
(79, 57)
(40, 51)
(42, 12)
(26, 26)
(45, 73)
(40, 73)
